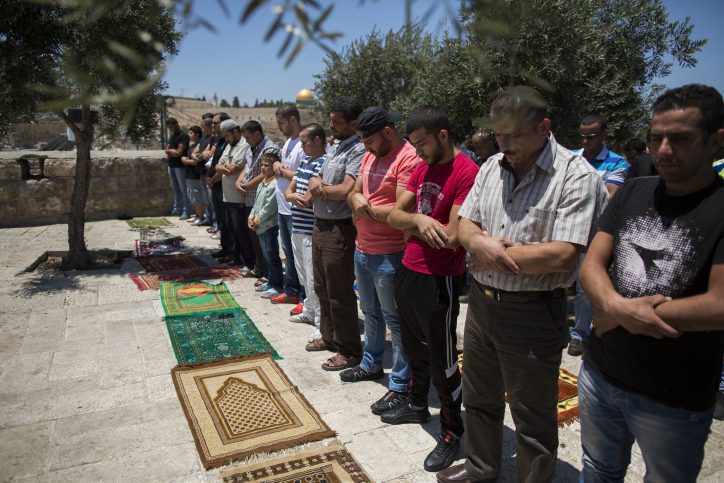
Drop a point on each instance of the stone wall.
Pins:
(35, 187)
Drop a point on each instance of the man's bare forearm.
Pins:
(402, 220)
(338, 192)
(699, 313)
(596, 283)
(545, 258)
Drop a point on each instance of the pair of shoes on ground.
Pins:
(201, 222)
(395, 408)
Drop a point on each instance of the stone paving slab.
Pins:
(86, 394)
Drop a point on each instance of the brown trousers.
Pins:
(515, 349)
(333, 261)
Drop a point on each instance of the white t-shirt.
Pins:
(292, 155)
(235, 155)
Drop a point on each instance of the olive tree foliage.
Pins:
(585, 56)
(376, 69)
(58, 54)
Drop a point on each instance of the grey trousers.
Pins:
(515, 349)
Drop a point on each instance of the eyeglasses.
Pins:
(215, 123)
(590, 137)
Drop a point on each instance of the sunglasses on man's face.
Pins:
(590, 137)
(215, 123)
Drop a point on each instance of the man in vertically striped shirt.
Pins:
(526, 220)
(312, 140)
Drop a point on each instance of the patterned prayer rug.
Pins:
(196, 298)
(144, 249)
(148, 222)
(567, 395)
(241, 406)
(216, 336)
(162, 263)
(156, 235)
(333, 465)
(152, 281)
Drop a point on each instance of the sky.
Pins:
(235, 60)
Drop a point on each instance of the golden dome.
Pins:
(305, 95)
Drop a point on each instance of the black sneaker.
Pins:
(405, 414)
(359, 374)
(443, 454)
(389, 401)
(219, 254)
(576, 348)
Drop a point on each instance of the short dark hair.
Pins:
(207, 121)
(707, 99)
(208, 115)
(223, 116)
(195, 129)
(171, 120)
(430, 118)
(287, 111)
(252, 127)
(350, 108)
(315, 131)
(522, 98)
(273, 157)
(635, 144)
(592, 119)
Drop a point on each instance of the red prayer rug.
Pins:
(162, 263)
(152, 281)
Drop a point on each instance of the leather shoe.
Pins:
(457, 474)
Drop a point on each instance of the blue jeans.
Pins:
(671, 440)
(584, 313)
(181, 200)
(269, 241)
(375, 284)
(291, 281)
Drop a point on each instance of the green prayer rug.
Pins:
(196, 298)
(203, 338)
(148, 222)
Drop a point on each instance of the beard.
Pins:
(437, 155)
(384, 149)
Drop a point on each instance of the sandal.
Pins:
(261, 288)
(250, 274)
(319, 345)
(338, 362)
(271, 292)
(261, 281)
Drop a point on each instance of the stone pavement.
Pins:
(86, 395)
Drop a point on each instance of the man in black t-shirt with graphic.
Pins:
(652, 369)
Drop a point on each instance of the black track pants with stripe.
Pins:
(428, 308)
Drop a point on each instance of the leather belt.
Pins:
(325, 222)
(522, 297)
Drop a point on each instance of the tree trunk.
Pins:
(78, 257)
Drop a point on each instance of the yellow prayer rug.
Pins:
(567, 395)
(333, 465)
(241, 406)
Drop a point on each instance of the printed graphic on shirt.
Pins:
(428, 194)
(375, 176)
(655, 255)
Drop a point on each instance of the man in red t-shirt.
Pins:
(427, 285)
(384, 174)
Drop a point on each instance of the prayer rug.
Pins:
(156, 235)
(144, 249)
(334, 465)
(162, 263)
(216, 336)
(152, 281)
(148, 222)
(241, 406)
(567, 395)
(196, 298)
